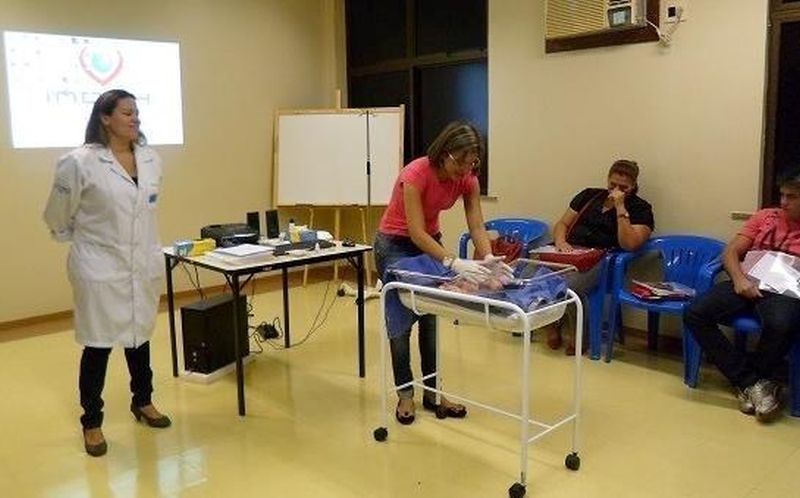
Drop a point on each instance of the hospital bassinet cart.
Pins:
(425, 297)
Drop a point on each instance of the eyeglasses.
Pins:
(471, 165)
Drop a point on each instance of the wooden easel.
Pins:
(337, 224)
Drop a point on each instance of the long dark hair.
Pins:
(104, 106)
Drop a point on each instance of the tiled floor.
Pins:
(308, 432)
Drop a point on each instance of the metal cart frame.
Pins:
(572, 461)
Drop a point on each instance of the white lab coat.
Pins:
(115, 262)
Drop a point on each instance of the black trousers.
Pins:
(780, 324)
(94, 363)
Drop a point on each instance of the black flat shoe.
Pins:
(442, 411)
(95, 450)
(158, 422)
(403, 419)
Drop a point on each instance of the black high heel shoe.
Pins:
(158, 422)
(95, 450)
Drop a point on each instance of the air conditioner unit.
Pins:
(578, 17)
(622, 13)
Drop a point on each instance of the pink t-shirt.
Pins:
(771, 230)
(437, 195)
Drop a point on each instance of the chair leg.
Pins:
(794, 378)
(620, 329)
(613, 313)
(596, 305)
(652, 330)
(691, 358)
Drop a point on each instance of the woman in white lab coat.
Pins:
(104, 201)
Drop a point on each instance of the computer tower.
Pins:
(207, 327)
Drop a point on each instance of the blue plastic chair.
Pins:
(597, 301)
(743, 325)
(683, 259)
(529, 231)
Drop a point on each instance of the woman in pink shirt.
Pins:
(776, 229)
(410, 227)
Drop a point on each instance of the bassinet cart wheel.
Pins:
(441, 411)
(573, 461)
(380, 434)
(517, 490)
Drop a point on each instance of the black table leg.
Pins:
(236, 349)
(360, 312)
(286, 337)
(171, 308)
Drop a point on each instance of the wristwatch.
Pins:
(447, 261)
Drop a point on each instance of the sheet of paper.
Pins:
(243, 250)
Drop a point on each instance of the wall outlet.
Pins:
(674, 10)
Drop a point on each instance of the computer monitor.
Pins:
(254, 222)
(272, 227)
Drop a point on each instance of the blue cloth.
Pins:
(399, 319)
(531, 295)
(523, 292)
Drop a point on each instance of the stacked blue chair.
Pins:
(684, 259)
(743, 325)
(531, 232)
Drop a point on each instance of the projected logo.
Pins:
(102, 65)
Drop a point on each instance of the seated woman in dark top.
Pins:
(610, 218)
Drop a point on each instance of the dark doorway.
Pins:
(782, 151)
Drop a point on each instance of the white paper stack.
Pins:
(242, 254)
(774, 271)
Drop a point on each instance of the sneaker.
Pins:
(765, 397)
(745, 403)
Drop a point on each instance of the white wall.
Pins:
(690, 114)
(241, 60)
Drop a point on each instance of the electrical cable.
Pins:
(665, 37)
(194, 281)
(314, 325)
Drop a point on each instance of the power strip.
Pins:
(267, 331)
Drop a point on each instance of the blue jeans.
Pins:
(388, 249)
(780, 322)
(582, 283)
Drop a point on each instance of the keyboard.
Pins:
(302, 246)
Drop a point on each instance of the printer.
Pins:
(230, 234)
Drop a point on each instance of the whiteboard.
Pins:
(321, 156)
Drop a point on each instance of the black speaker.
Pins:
(253, 222)
(272, 227)
(207, 327)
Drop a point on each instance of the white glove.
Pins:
(473, 271)
(498, 267)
